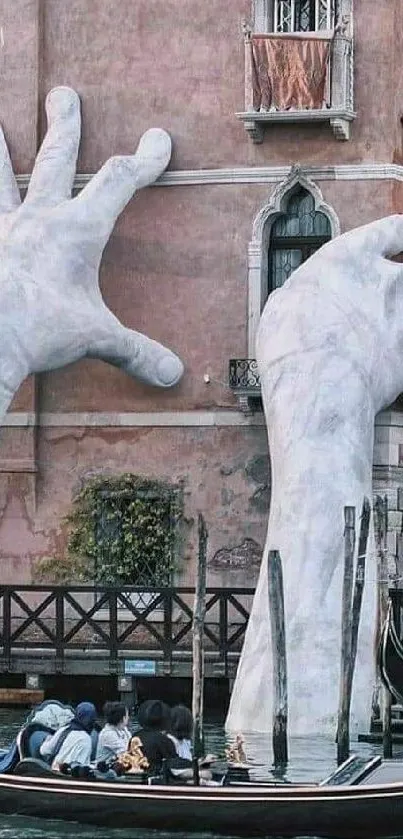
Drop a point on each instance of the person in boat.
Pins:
(155, 743)
(72, 745)
(115, 735)
(181, 726)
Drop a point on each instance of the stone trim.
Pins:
(261, 175)
(339, 120)
(167, 419)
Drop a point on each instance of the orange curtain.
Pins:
(288, 72)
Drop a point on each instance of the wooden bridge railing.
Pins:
(117, 622)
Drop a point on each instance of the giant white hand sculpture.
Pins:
(51, 309)
(330, 354)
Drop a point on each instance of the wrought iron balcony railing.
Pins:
(244, 376)
(244, 381)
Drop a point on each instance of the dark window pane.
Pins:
(295, 236)
(283, 263)
(301, 219)
(304, 15)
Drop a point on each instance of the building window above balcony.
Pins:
(303, 15)
(299, 65)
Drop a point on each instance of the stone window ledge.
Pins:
(256, 121)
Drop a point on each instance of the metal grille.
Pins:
(295, 236)
(303, 15)
(109, 530)
(244, 374)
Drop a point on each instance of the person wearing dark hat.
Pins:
(72, 745)
(153, 716)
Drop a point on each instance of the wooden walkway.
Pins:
(105, 630)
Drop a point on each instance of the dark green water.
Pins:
(310, 760)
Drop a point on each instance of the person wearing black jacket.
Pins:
(153, 717)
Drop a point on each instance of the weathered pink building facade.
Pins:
(189, 262)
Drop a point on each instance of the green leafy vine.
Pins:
(120, 530)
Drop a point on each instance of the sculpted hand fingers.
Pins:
(383, 237)
(137, 355)
(104, 198)
(54, 170)
(9, 192)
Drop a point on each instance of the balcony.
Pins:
(244, 381)
(300, 77)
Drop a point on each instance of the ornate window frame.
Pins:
(258, 248)
(341, 112)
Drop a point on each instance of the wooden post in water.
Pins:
(199, 611)
(381, 542)
(358, 587)
(279, 657)
(351, 612)
(343, 722)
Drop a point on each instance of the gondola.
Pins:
(369, 803)
(361, 798)
(391, 656)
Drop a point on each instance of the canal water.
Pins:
(311, 759)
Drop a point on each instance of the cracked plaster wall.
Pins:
(218, 475)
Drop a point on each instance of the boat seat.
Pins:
(30, 739)
(35, 742)
(35, 768)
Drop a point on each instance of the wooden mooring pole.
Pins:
(343, 722)
(351, 611)
(199, 612)
(381, 543)
(279, 658)
(358, 587)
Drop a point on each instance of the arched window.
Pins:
(295, 235)
(296, 218)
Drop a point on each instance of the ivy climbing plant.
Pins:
(120, 530)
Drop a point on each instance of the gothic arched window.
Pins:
(295, 236)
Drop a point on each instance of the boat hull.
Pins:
(238, 811)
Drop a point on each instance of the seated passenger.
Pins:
(155, 744)
(181, 731)
(115, 736)
(72, 744)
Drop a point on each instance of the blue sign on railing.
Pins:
(140, 667)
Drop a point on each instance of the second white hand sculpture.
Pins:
(330, 355)
(51, 308)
